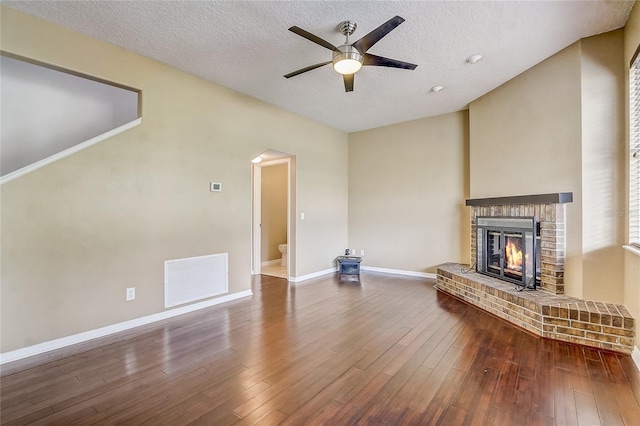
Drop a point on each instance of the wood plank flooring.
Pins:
(387, 350)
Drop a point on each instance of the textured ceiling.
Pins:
(245, 46)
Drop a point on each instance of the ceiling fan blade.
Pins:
(313, 38)
(305, 69)
(348, 82)
(386, 62)
(374, 36)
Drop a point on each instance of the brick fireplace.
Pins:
(546, 312)
(549, 209)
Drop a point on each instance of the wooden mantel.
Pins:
(555, 198)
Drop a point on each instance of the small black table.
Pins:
(349, 265)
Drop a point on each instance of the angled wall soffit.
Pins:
(49, 113)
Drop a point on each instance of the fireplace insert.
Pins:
(508, 248)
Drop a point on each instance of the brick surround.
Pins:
(559, 317)
(552, 233)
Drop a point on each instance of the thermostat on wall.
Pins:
(216, 187)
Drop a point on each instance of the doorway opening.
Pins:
(273, 214)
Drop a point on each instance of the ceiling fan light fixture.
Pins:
(347, 66)
(347, 60)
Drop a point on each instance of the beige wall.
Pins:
(631, 260)
(79, 231)
(407, 186)
(559, 122)
(603, 176)
(274, 210)
(534, 122)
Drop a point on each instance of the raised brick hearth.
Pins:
(554, 316)
(546, 312)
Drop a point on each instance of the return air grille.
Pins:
(195, 278)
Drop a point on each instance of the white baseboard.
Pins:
(635, 356)
(366, 268)
(115, 328)
(399, 272)
(271, 262)
(312, 275)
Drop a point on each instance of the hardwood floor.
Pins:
(383, 351)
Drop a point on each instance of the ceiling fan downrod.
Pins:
(347, 28)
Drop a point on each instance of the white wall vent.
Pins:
(195, 278)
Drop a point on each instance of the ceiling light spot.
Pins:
(473, 59)
(436, 89)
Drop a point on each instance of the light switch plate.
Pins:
(131, 293)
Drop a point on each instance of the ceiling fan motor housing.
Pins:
(347, 59)
(347, 54)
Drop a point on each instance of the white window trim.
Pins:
(632, 249)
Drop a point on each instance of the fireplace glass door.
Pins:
(506, 248)
(494, 252)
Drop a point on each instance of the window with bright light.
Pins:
(634, 152)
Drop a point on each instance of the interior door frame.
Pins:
(256, 229)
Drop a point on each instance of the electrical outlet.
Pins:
(361, 252)
(131, 293)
